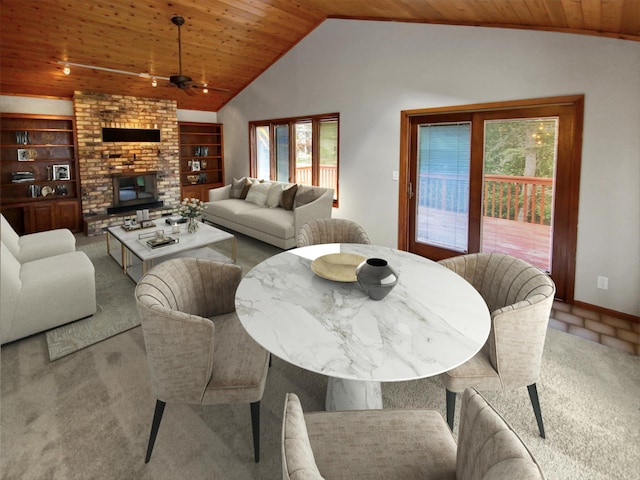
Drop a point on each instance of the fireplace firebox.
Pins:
(132, 192)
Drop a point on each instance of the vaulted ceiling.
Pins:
(228, 43)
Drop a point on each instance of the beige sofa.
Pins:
(44, 282)
(272, 212)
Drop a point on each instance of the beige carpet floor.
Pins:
(88, 414)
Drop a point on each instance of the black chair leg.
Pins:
(451, 408)
(533, 395)
(155, 425)
(255, 426)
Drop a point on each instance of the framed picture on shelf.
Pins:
(195, 166)
(61, 172)
(27, 154)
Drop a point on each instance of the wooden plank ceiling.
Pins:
(228, 43)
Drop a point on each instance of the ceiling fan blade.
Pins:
(189, 91)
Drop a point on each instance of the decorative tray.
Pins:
(162, 242)
(339, 267)
(139, 226)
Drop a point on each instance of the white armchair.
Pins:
(45, 282)
(45, 293)
(35, 246)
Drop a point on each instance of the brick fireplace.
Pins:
(99, 161)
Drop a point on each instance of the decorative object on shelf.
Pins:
(193, 179)
(203, 163)
(49, 173)
(202, 178)
(34, 191)
(376, 277)
(48, 138)
(47, 191)
(191, 208)
(195, 166)
(22, 137)
(27, 154)
(61, 172)
(21, 177)
(61, 190)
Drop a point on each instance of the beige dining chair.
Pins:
(331, 230)
(519, 297)
(404, 444)
(197, 350)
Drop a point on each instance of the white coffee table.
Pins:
(135, 256)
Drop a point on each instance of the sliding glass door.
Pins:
(495, 180)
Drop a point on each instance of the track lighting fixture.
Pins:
(154, 79)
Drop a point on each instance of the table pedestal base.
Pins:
(353, 395)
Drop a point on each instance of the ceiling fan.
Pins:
(183, 82)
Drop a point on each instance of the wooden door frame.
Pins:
(568, 183)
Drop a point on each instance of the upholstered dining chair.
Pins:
(197, 350)
(519, 297)
(404, 444)
(331, 230)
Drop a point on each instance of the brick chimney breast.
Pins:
(98, 160)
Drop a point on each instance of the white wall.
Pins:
(35, 105)
(370, 71)
(38, 105)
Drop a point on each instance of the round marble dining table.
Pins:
(432, 321)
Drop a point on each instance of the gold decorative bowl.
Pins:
(193, 178)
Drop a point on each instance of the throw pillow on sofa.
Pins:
(275, 194)
(258, 193)
(288, 196)
(245, 189)
(305, 195)
(236, 187)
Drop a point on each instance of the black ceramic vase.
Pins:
(376, 277)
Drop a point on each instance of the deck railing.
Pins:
(328, 176)
(523, 199)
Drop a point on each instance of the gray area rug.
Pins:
(88, 415)
(116, 308)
